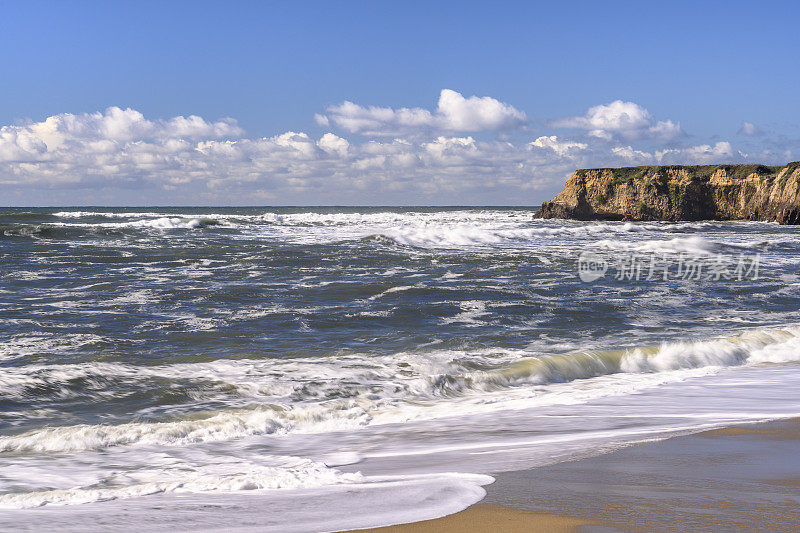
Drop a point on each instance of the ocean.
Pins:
(317, 369)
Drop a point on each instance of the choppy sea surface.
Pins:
(316, 369)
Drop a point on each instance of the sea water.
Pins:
(317, 369)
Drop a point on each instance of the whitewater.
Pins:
(255, 368)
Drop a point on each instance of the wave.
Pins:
(393, 218)
(221, 426)
(764, 346)
(379, 500)
(307, 218)
(145, 214)
(21, 346)
(169, 223)
(361, 390)
(420, 229)
(33, 231)
(66, 230)
(695, 245)
(459, 236)
(485, 218)
(225, 475)
(157, 223)
(14, 216)
(757, 347)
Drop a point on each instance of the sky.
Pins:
(381, 103)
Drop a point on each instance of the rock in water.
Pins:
(708, 192)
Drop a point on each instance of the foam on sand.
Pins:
(371, 502)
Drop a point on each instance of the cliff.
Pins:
(709, 192)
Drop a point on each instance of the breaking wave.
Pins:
(374, 392)
(435, 229)
(696, 245)
(157, 223)
(226, 475)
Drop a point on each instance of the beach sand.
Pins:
(495, 518)
(744, 478)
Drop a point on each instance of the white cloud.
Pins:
(298, 145)
(444, 147)
(333, 144)
(632, 156)
(721, 152)
(454, 112)
(706, 153)
(562, 148)
(622, 120)
(119, 156)
(748, 128)
(476, 114)
(197, 161)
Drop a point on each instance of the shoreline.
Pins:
(744, 477)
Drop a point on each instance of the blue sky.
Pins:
(701, 70)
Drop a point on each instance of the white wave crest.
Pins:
(695, 245)
(376, 390)
(155, 223)
(225, 475)
(750, 348)
(434, 229)
(221, 426)
(459, 236)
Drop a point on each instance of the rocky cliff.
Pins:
(709, 192)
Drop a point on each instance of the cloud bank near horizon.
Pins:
(469, 150)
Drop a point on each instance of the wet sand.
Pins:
(494, 518)
(744, 478)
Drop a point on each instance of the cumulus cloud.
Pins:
(454, 113)
(121, 148)
(119, 153)
(333, 144)
(721, 152)
(622, 120)
(748, 128)
(562, 148)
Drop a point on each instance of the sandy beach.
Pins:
(742, 478)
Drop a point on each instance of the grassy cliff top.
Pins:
(700, 171)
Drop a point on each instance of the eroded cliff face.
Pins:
(709, 192)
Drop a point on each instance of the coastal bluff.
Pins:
(674, 193)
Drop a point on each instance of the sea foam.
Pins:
(380, 392)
